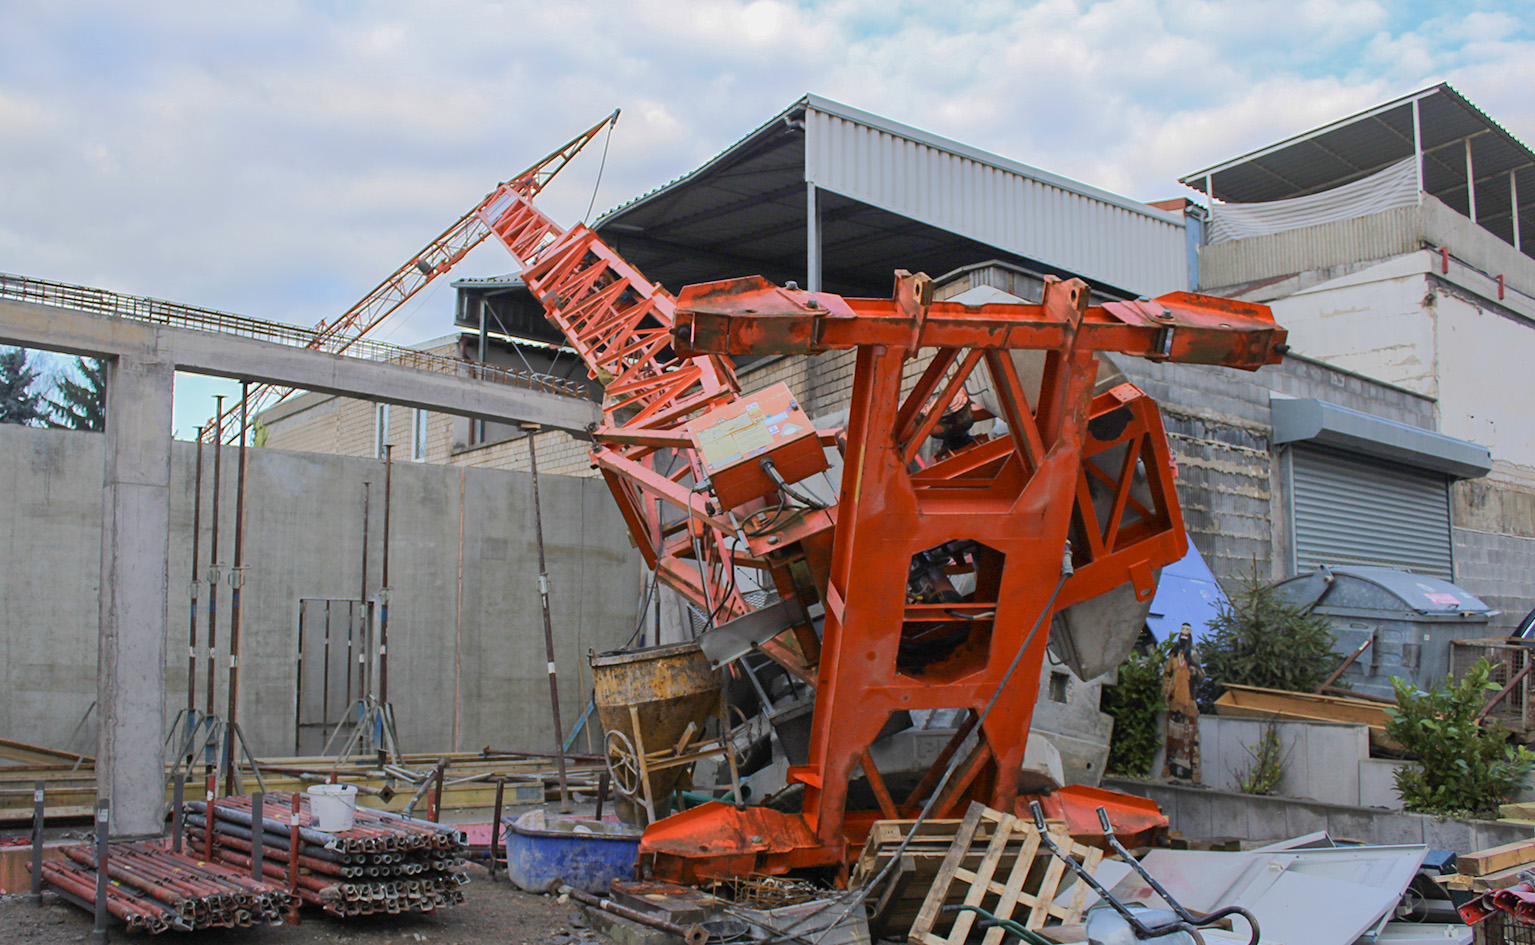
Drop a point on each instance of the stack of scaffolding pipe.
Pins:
(385, 863)
(152, 889)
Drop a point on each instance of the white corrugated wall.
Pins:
(1101, 241)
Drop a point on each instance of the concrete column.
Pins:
(812, 238)
(135, 542)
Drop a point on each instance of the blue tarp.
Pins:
(1186, 594)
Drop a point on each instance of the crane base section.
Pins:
(718, 841)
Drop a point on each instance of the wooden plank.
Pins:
(1014, 887)
(927, 917)
(28, 754)
(1493, 859)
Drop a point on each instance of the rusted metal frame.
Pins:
(1503, 693)
(1157, 465)
(1022, 424)
(1122, 494)
(661, 487)
(632, 505)
(877, 785)
(935, 771)
(584, 314)
(981, 758)
(968, 463)
(1098, 473)
(911, 441)
(943, 358)
(1087, 517)
(634, 357)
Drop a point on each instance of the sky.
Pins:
(279, 159)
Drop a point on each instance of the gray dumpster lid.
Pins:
(1364, 588)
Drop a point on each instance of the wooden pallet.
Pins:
(996, 862)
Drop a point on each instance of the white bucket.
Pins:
(334, 806)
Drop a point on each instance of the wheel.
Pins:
(624, 765)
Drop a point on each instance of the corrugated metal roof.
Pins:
(891, 196)
(1361, 144)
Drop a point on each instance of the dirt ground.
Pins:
(493, 912)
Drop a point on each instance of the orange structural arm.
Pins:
(753, 316)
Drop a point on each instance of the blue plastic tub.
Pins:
(542, 852)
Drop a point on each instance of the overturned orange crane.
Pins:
(938, 569)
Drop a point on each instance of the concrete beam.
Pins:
(135, 543)
(227, 355)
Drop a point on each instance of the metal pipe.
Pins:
(543, 598)
(292, 861)
(383, 589)
(103, 818)
(213, 571)
(178, 809)
(236, 581)
(197, 534)
(692, 934)
(495, 828)
(258, 811)
(38, 790)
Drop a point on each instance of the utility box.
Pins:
(1409, 620)
(733, 440)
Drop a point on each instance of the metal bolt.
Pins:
(772, 539)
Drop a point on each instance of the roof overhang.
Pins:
(1323, 424)
(1355, 147)
(888, 196)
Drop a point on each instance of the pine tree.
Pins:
(18, 402)
(82, 404)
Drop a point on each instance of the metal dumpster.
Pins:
(1408, 618)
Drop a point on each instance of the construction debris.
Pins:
(385, 863)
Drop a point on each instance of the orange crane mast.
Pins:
(937, 569)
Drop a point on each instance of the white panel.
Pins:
(1100, 240)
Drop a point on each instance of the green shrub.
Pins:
(1464, 766)
(1266, 769)
(1257, 639)
(1134, 702)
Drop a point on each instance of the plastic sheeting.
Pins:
(1396, 186)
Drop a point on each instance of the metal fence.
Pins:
(175, 315)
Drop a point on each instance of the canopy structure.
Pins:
(836, 198)
(1461, 156)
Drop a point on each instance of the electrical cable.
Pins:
(607, 139)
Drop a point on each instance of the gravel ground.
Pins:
(493, 912)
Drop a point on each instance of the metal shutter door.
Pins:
(1350, 509)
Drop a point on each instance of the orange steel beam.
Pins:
(1016, 513)
(1073, 499)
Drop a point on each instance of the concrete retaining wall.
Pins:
(477, 654)
(1323, 761)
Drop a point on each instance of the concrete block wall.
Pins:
(1322, 761)
(1495, 546)
(470, 653)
